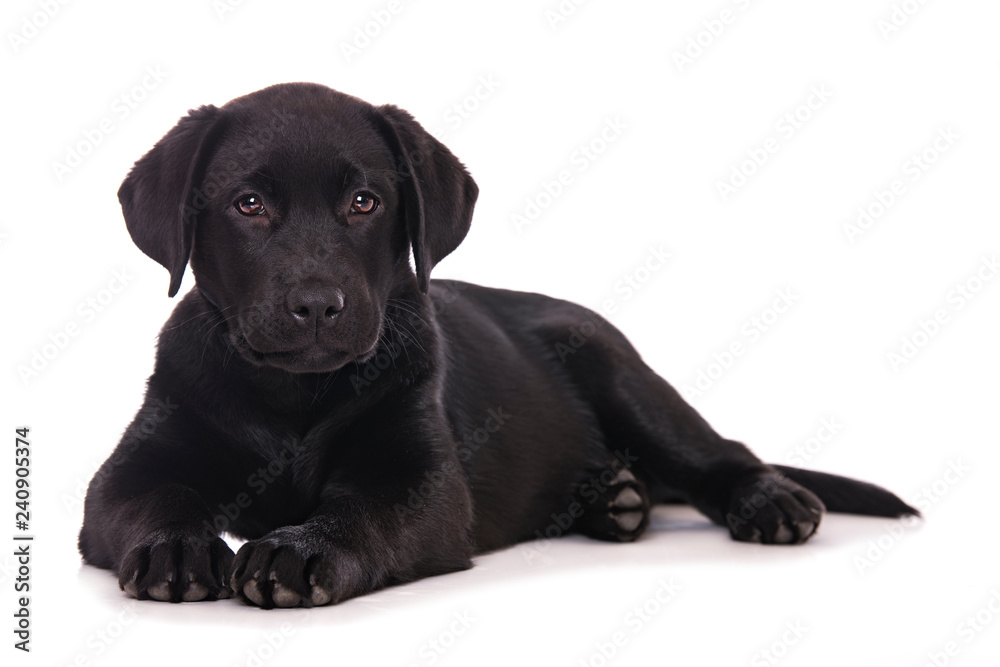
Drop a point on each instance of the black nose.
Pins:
(318, 305)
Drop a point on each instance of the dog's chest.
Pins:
(280, 482)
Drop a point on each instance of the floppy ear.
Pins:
(438, 192)
(156, 196)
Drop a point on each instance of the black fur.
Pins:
(360, 424)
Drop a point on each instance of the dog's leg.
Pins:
(394, 508)
(678, 452)
(143, 520)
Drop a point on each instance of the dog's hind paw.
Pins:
(772, 509)
(620, 512)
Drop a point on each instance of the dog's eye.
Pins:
(250, 205)
(364, 203)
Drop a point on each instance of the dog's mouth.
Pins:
(312, 358)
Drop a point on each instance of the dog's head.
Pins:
(297, 206)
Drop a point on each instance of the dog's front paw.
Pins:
(772, 509)
(290, 568)
(176, 567)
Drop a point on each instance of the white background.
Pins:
(862, 592)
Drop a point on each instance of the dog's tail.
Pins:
(850, 496)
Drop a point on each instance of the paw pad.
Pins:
(621, 511)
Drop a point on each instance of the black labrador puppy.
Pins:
(358, 423)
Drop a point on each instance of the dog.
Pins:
(360, 424)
